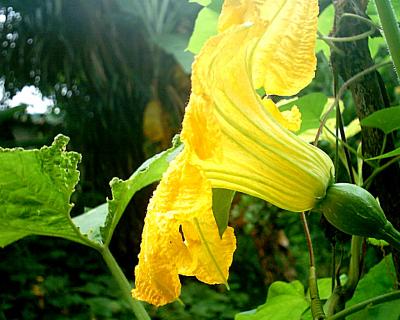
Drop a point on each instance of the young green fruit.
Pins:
(355, 211)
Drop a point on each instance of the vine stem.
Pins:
(391, 31)
(367, 303)
(341, 92)
(369, 180)
(308, 239)
(316, 306)
(135, 305)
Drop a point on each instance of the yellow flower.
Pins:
(234, 140)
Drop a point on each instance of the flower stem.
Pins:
(367, 303)
(135, 305)
(391, 31)
(316, 306)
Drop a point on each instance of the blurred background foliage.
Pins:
(118, 79)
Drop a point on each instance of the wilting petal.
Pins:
(181, 237)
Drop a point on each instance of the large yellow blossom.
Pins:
(234, 140)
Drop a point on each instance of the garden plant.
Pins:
(254, 124)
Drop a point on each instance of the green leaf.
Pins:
(35, 190)
(387, 120)
(379, 280)
(393, 153)
(375, 44)
(222, 200)
(203, 3)
(284, 301)
(377, 243)
(205, 25)
(373, 14)
(90, 222)
(122, 191)
(311, 107)
(324, 288)
(9, 113)
(325, 25)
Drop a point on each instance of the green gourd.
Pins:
(355, 211)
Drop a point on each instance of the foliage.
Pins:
(380, 279)
(35, 270)
(36, 186)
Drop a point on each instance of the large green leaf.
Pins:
(379, 280)
(123, 191)
(387, 120)
(311, 107)
(205, 25)
(222, 200)
(35, 191)
(285, 301)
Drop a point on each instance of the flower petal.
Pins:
(181, 236)
(248, 149)
(284, 61)
(290, 119)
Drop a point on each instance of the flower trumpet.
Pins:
(234, 140)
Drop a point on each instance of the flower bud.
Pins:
(355, 211)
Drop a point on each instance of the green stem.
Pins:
(368, 182)
(392, 236)
(348, 39)
(135, 305)
(391, 31)
(339, 123)
(316, 306)
(354, 267)
(341, 293)
(367, 303)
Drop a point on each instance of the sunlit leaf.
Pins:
(35, 190)
(203, 3)
(285, 301)
(205, 25)
(325, 25)
(123, 190)
(387, 119)
(222, 200)
(373, 14)
(89, 223)
(375, 44)
(379, 280)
